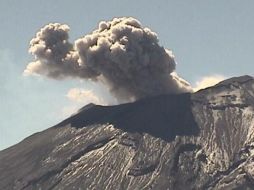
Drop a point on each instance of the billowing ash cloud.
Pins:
(120, 53)
(54, 55)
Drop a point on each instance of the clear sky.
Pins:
(208, 38)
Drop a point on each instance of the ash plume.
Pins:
(120, 53)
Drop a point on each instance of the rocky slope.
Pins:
(203, 140)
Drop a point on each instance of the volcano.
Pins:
(202, 140)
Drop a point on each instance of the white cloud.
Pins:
(83, 96)
(79, 97)
(68, 111)
(208, 81)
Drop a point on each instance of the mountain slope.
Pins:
(203, 140)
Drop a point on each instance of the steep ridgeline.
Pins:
(203, 140)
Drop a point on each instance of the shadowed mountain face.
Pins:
(203, 140)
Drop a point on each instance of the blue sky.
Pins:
(208, 38)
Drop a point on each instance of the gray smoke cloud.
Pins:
(121, 54)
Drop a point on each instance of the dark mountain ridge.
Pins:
(149, 115)
(203, 140)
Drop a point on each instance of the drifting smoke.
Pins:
(120, 53)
